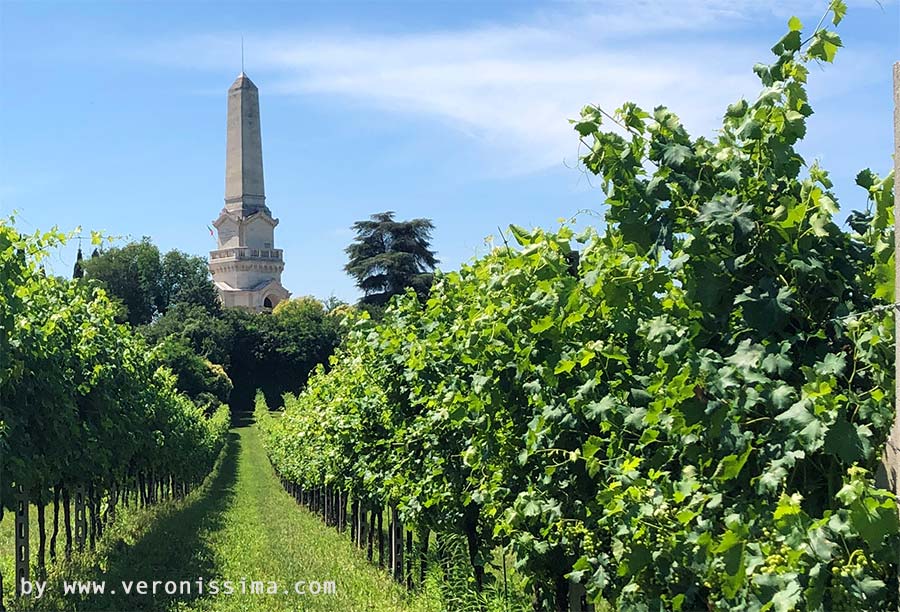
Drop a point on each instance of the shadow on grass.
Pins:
(242, 419)
(173, 549)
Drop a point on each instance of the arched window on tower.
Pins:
(267, 303)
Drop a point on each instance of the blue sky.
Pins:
(114, 113)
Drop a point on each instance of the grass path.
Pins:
(242, 525)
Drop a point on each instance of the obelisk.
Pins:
(246, 267)
(244, 185)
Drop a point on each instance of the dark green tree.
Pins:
(277, 352)
(78, 271)
(132, 274)
(388, 256)
(271, 351)
(209, 335)
(148, 284)
(204, 382)
(185, 279)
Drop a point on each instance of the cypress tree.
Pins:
(78, 272)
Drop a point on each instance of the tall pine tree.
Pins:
(388, 256)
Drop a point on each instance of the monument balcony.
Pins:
(240, 253)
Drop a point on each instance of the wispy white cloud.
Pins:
(511, 88)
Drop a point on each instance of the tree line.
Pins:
(224, 355)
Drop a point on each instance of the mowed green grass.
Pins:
(240, 525)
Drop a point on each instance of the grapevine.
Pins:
(683, 411)
(84, 405)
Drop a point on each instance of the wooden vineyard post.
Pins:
(339, 509)
(423, 558)
(80, 519)
(363, 515)
(92, 524)
(2, 607)
(22, 552)
(381, 534)
(370, 534)
(360, 525)
(113, 500)
(354, 510)
(336, 508)
(409, 559)
(396, 544)
(888, 475)
(338, 496)
(892, 449)
(392, 543)
(67, 520)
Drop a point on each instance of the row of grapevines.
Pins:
(682, 412)
(83, 402)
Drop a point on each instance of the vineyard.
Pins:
(89, 424)
(684, 410)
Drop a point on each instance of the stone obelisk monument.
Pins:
(246, 267)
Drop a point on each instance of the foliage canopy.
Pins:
(82, 399)
(149, 284)
(274, 351)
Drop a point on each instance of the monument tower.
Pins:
(246, 267)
